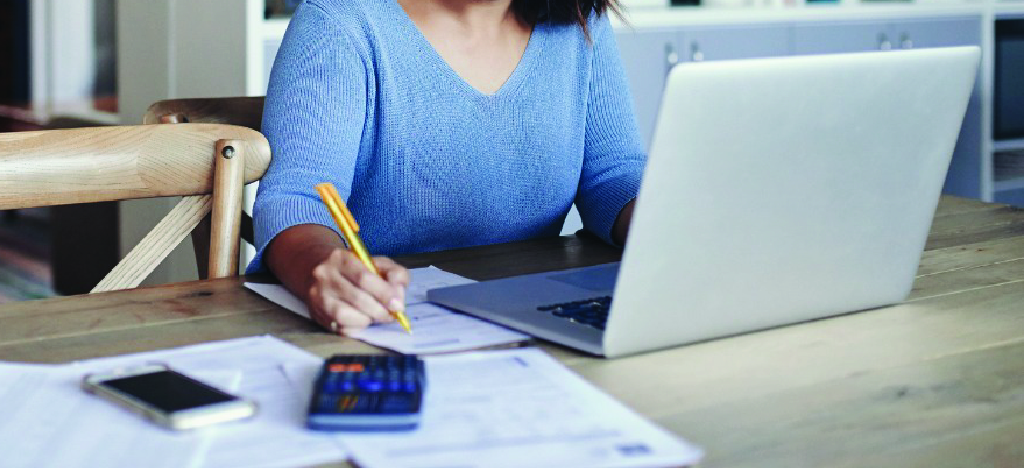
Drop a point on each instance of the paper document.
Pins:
(53, 422)
(435, 328)
(514, 408)
(50, 421)
(438, 330)
(431, 277)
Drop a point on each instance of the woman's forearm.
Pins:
(295, 252)
(620, 230)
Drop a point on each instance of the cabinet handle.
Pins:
(695, 54)
(671, 57)
(906, 42)
(883, 42)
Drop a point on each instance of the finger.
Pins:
(315, 306)
(318, 307)
(330, 275)
(361, 301)
(374, 285)
(346, 316)
(394, 273)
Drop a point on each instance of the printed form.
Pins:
(53, 422)
(435, 328)
(514, 408)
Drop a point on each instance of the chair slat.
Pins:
(244, 111)
(152, 249)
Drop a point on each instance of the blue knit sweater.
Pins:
(426, 162)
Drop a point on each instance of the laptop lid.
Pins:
(786, 189)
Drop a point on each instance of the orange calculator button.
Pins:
(346, 368)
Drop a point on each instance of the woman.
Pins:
(444, 123)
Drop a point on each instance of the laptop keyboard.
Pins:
(592, 312)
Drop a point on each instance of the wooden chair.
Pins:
(241, 111)
(206, 164)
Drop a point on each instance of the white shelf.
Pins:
(665, 16)
(1009, 184)
(1008, 9)
(274, 28)
(1008, 145)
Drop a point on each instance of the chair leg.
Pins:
(228, 184)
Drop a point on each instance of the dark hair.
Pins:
(564, 11)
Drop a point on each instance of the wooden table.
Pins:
(936, 381)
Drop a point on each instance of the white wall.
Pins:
(145, 75)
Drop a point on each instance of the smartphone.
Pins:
(167, 397)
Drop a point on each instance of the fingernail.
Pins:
(396, 305)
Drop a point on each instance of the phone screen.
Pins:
(168, 391)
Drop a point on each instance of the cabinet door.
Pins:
(734, 42)
(965, 175)
(646, 56)
(944, 32)
(839, 37)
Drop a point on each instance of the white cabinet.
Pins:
(646, 57)
(732, 42)
(648, 53)
(840, 37)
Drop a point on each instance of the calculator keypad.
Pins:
(369, 384)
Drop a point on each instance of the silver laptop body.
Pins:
(777, 191)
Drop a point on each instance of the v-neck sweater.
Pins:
(358, 97)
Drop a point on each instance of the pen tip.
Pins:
(404, 322)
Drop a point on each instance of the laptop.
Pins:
(776, 191)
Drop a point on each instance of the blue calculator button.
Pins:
(371, 385)
(363, 404)
(352, 389)
(331, 384)
(396, 403)
(327, 402)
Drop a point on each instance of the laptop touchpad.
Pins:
(600, 278)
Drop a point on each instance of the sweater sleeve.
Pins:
(313, 117)
(614, 158)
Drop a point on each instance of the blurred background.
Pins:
(72, 63)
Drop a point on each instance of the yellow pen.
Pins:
(350, 229)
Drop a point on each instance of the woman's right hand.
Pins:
(341, 293)
(345, 296)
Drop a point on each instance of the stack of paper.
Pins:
(436, 329)
(514, 408)
(507, 408)
(50, 421)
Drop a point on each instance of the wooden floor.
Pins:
(25, 254)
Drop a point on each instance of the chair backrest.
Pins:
(242, 111)
(58, 167)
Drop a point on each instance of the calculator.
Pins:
(363, 392)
